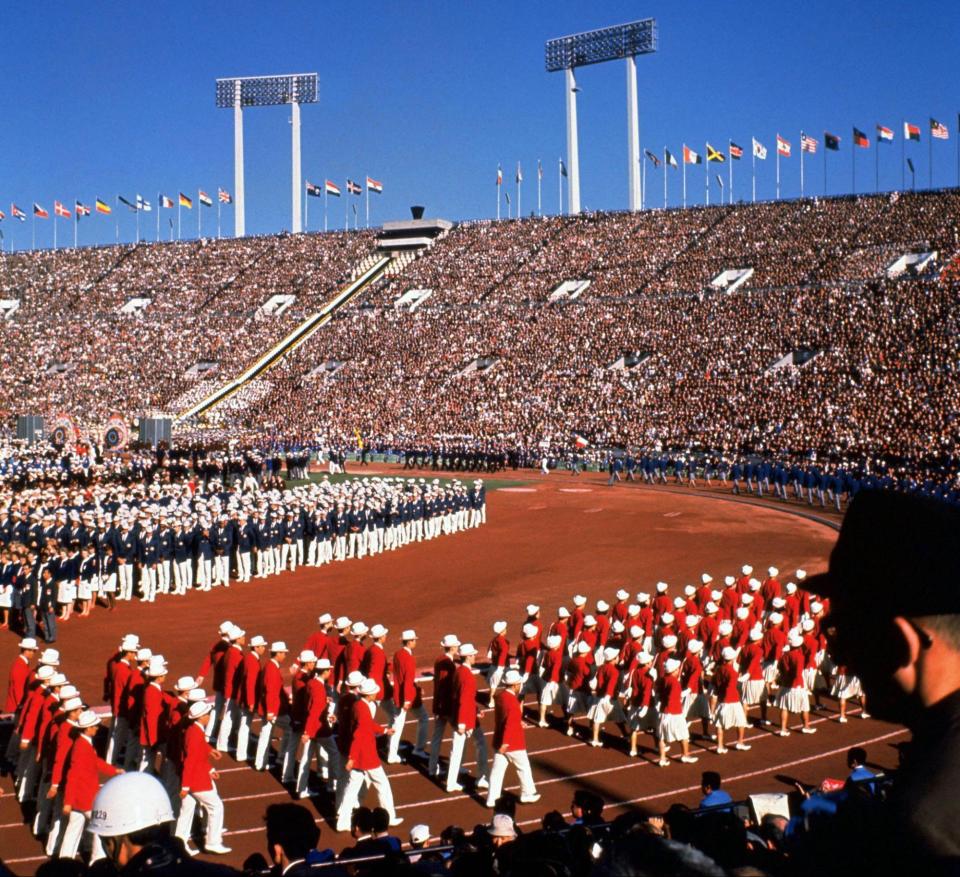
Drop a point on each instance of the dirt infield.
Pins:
(546, 539)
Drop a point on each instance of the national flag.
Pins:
(719, 181)
(652, 157)
(783, 147)
(3, 216)
(60, 210)
(165, 201)
(690, 157)
(129, 204)
(374, 186)
(507, 196)
(204, 198)
(17, 213)
(331, 188)
(563, 169)
(185, 201)
(519, 178)
(910, 165)
(759, 150)
(143, 204)
(313, 190)
(579, 441)
(831, 141)
(39, 211)
(81, 209)
(736, 152)
(500, 175)
(670, 158)
(713, 155)
(103, 207)
(884, 134)
(353, 188)
(224, 197)
(808, 143)
(938, 130)
(911, 132)
(860, 139)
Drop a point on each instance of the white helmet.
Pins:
(129, 802)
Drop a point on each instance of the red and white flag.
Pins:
(60, 210)
(783, 147)
(374, 186)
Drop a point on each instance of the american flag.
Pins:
(808, 143)
(939, 130)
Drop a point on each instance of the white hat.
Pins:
(775, 618)
(671, 665)
(563, 612)
(342, 623)
(408, 635)
(468, 650)
(326, 618)
(359, 629)
(225, 627)
(144, 655)
(743, 613)
(28, 642)
(610, 653)
(589, 621)
(68, 691)
(158, 666)
(87, 719)
(636, 631)
(323, 664)
(643, 597)
(499, 627)
(71, 704)
(529, 630)
(307, 656)
(729, 653)
(368, 687)
(278, 646)
(185, 683)
(756, 634)
(195, 695)
(694, 647)
(583, 648)
(801, 574)
(512, 677)
(200, 708)
(816, 607)
(532, 608)
(746, 599)
(778, 602)
(746, 569)
(679, 602)
(236, 632)
(729, 580)
(807, 624)
(450, 641)
(711, 608)
(355, 679)
(257, 641)
(57, 680)
(692, 620)
(795, 640)
(791, 588)
(419, 834)
(754, 584)
(716, 596)
(667, 618)
(50, 657)
(502, 826)
(129, 803)
(622, 594)
(689, 590)
(45, 671)
(553, 641)
(633, 610)
(130, 643)
(579, 600)
(706, 578)
(602, 606)
(662, 587)
(725, 628)
(669, 641)
(378, 630)
(773, 571)
(645, 658)
(617, 627)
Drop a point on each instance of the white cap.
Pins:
(679, 602)
(633, 610)
(378, 630)
(589, 621)
(28, 642)
(68, 691)
(499, 627)
(225, 627)
(195, 695)
(635, 631)
(130, 643)
(617, 627)
(756, 634)
(662, 587)
(778, 602)
(450, 641)
(342, 623)
(185, 683)
(326, 618)
(408, 635)
(87, 719)
(801, 574)
(816, 607)
(807, 624)
(746, 569)
(553, 641)
(602, 606)
(711, 608)
(529, 630)
(323, 664)
(368, 687)
(200, 708)
(729, 653)
(502, 826)
(746, 599)
(671, 665)
(532, 608)
(689, 590)
(795, 640)
(583, 648)
(158, 667)
(791, 588)
(667, 618)
(729, 580)
(622, 594)
(45, 671)
(773, 571)
(775, 618)
(278, 646)
(692, 620)
(50, 657)
(359, 629)
(694, 647)
(144, 655)
(355, 679)
(754, 584)
(236, 632)
(257, 641)
(610, 653)
(645, 658)
(563, 612)
(579, 600)
(57, 680)
(512, 677)
(71, 704)
(669, 641)
(468, 650)
(129, 803)
(716, 596)
(725, 628)
(643, 597)
(706, 578)
(743, 613)
(307, 656)
(419, 834)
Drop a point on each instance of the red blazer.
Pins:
(298, 708)
(363, 746)
(465, 697)
(83, 771)
(374, 666)
(578, 674)
(507, 722)
(317, 643)
(443, 670)
(61, 749)
(316, 721)
(196, 760)
(121, 673)
(641, 687)
(248, 684)
(670, 703)
(177, 725)
(725, 680)
(230, 666)
(527, 654)
(603, 629)
(607, 678)
(150, 715)
(17, 684)
(131, 705)
(272, 699)
(405, 688)
(499, 649)
(552, 664)
(212, 660)
(30, 711)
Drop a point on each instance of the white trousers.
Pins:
(244, 723)
(125, 578)
(74, 832)
(456, 755)
(288, 747)
(518, 758)
(399, 720)
(163, 576)
(351, 795)
(328, 763)
(243, 565)
(212, 806)
(228, 717)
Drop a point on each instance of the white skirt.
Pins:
(770, 671)
(753, 691)
(673, 729)
(812, 679)
(606, 709)
(794, 700)
(108, 584)
(550, 694)
(730, 715)
(644, 719)
(695, 706)
(6, 597)
(494, 675)
(845, 687)
(67, 592)
(85, 589)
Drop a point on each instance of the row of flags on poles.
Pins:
(137, 205)
(353, 188)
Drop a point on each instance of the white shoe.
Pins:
(217, 849)
(742, 747)
(633, 753)
(808, 730)
(864, 715)
(397, 820)
(190, 850)
(452, 789)
(689, 759)
(394, 759)
(529, 799)
(842, 720)
(482, 783)
(783, 733)
(664, 762)
(596, 744)
(722, 750)
(570, 731)
(543, 724)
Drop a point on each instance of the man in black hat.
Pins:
(894, 589)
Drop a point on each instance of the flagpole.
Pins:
(368, 205)
(519, 183)
(539, 187)
(346, 212)
(730, 174)
(903, 154)
(876, 157)
(33, 231)
(306, 206)
(643, 181)
(559, 188)
(179, 205)
(218, 212)
(853, 164)
(778, 167)
(824, 164)
(76, 223)
(664, 177)
(801, 163)
(753, 172)
(159, 208)
(116, 220)
(706, 174)
(138, 223)
(684, 158)
(498, 192)
(199, 213)
(930, 139)
(324, 203)
(55, 218)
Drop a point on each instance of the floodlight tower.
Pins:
(593, 47)
(266, 91)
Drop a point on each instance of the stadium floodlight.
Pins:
(594, 47)
(266, 91)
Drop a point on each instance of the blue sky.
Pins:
(108, 98)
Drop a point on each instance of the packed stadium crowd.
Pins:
(650, 665)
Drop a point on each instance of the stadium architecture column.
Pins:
(266, 91)
(594, 47)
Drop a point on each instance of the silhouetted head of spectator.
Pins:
(856, 757)
(506, 804)
(361, 822)
(380, 821)
(553, 821)
(772, 829)
(587, 807)
(709, 781)
(291, 833)
(645, 855)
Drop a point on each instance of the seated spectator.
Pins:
(586, 808)
(292, 838)
(713, 795)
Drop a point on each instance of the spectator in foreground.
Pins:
(713, 795)
(292, 838)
